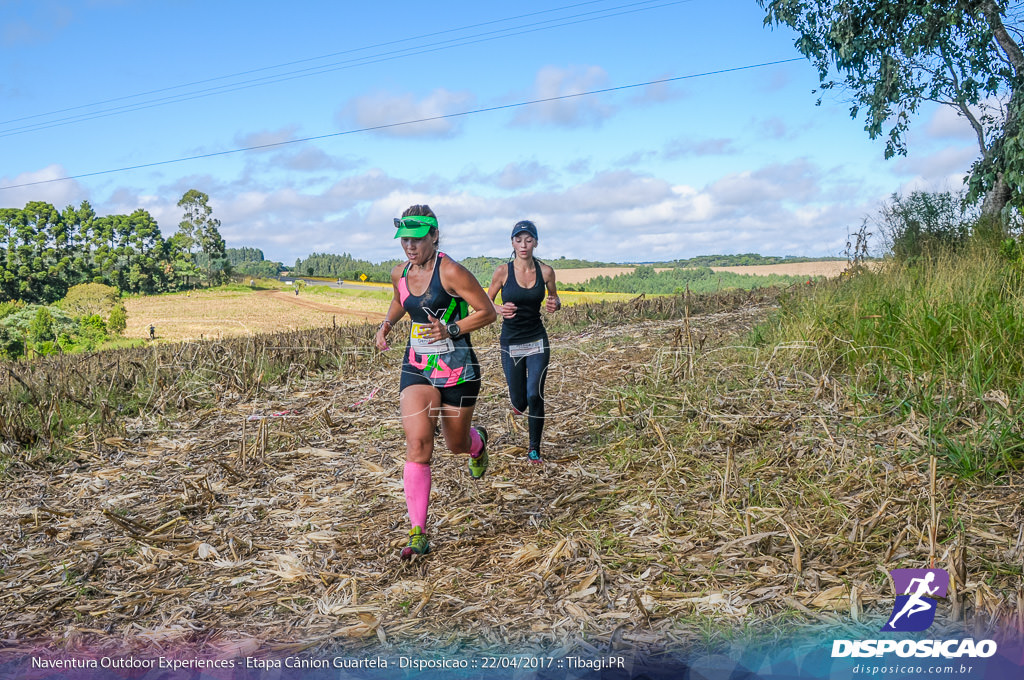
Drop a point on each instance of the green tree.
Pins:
(146, 252)
(118, 320)
(80, 223)
(199, 232)
(893, 55)
(88, 299)
(41, 327)
(10, 226)
(41, 254)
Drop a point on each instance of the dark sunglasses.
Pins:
(408, 222)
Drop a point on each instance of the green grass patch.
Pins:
(941, 340)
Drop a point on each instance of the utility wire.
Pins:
(402, 123)
(297, 61)
(336, 66)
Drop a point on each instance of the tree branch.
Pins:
(1002, 36)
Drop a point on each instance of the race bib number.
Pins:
(419, 341)
(526, 349)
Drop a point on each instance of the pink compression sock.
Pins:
(417, 492)
(476, 444)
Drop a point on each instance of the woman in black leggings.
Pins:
(525, 351)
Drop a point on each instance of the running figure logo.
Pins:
(914, 609)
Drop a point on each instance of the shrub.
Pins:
(926, 224)
(118, 320)
(12, 343)
(87, 299)
(11, 307)
(41, 328)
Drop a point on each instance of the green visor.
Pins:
(416, 226)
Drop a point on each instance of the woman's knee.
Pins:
(419, 449)
(457, 439)
(519, 402)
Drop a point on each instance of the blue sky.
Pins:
(731, 160)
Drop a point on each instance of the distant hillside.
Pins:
(250, 262)
(347, 267)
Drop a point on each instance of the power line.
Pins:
(403, 123)
(336, 66)
(297, 61)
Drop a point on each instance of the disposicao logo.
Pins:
(914, 609)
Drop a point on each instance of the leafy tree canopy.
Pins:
(87, 299)
(892, 55)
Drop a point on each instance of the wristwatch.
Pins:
(453, 330)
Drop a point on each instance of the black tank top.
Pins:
(449, 362)
(526, 325)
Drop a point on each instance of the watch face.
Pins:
(453, 330)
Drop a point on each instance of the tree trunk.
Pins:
(996, 199)
(1000, 193)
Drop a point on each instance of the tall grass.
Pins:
(940, 341)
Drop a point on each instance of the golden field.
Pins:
(827, 268)
(225, 312)
(222, 313)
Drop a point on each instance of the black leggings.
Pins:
(525, 377)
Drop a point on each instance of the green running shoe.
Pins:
(534, 456)
(418, 544)
(478, 465)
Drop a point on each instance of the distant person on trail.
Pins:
(525, 352)
(296, 290)
(152, 332)
(440, 371)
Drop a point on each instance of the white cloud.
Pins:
(682, 147)
(795, 181)
(264, 138)
(385, 111)
(634, 159)
(657, 93)
(512, 176)
(57, 193)
(566, 110)
(46, 22)
(616, 216)
(775, 128)
(311, 159)
(949, 162)
(947, 123)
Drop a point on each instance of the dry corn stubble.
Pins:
(697, 490)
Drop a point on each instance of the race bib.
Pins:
(419, 341)
(526, 349)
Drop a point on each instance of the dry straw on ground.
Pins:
(688, 494)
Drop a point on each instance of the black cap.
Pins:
(527, 226)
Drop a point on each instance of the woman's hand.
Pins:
(381, 339)
(437, 331)
(507, 310)
(553, 303)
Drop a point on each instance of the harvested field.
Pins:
(830, 268)
(587, 273)
(690, 490)
(220, 313)
(826, 268)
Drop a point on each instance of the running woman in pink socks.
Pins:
(440, 371)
